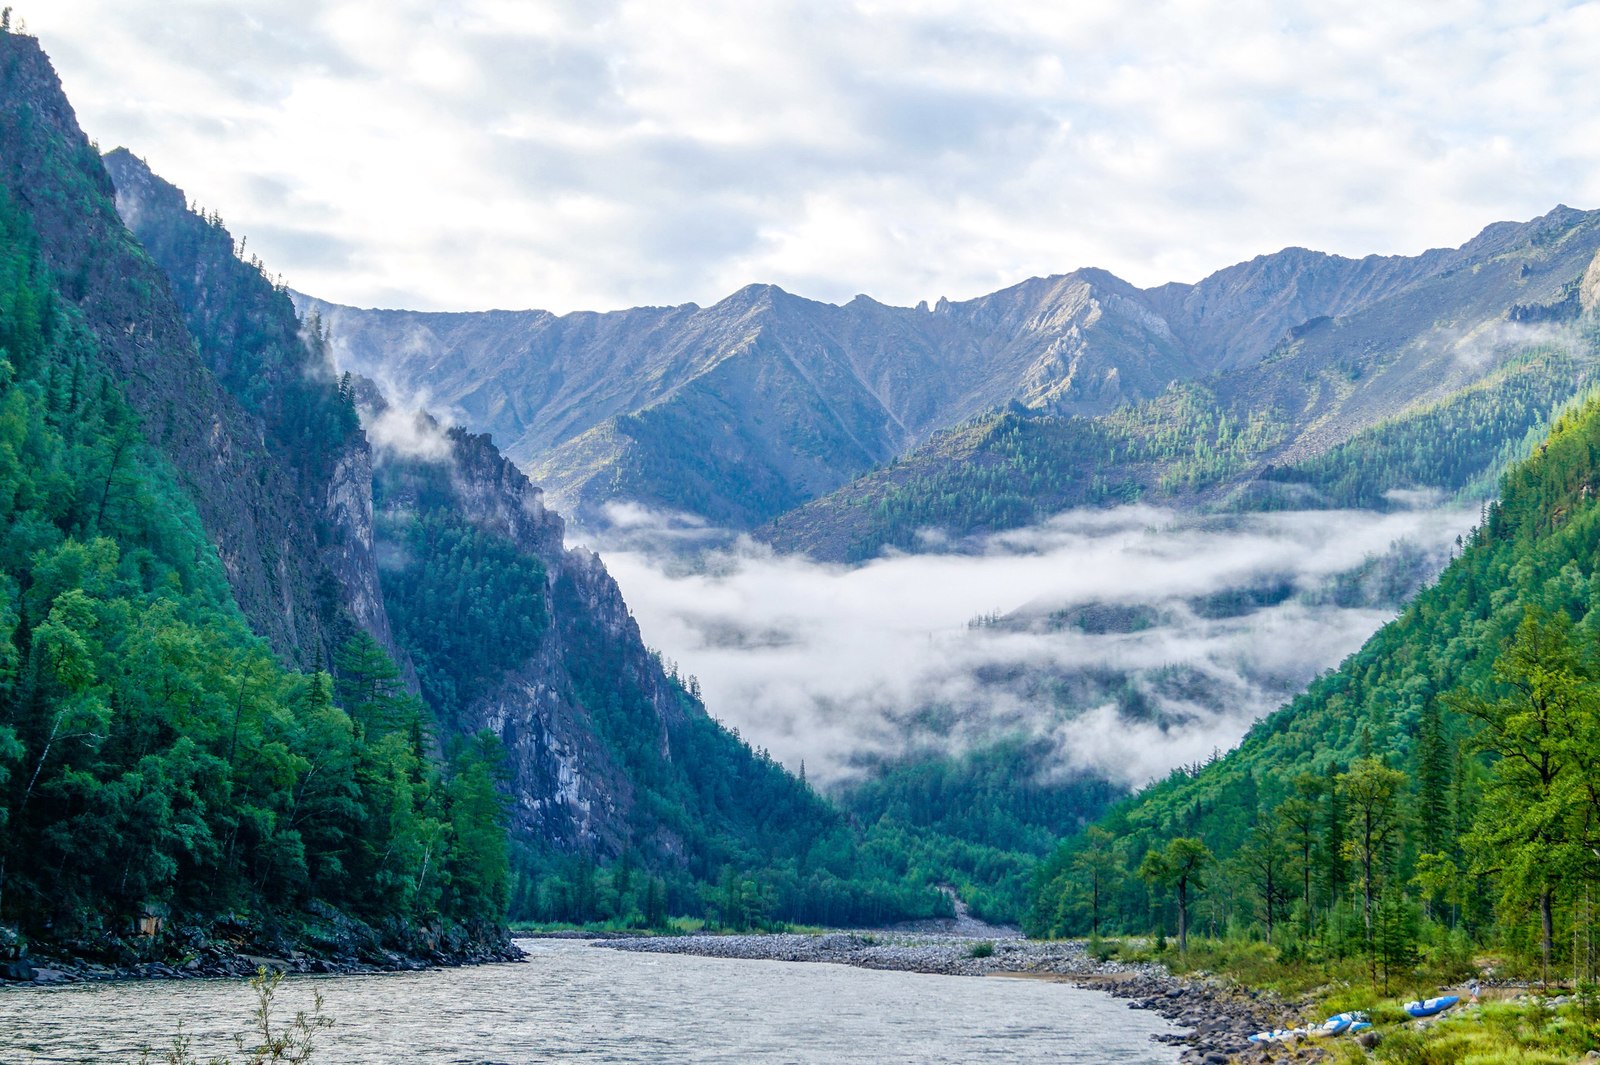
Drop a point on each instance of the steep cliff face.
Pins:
(248, 336)
(252, 506)
(570, 788)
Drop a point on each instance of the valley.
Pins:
(1235, 641)
(1376, 401)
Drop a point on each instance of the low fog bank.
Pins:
(1134, 640)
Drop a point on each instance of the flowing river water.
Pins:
(573, 1001)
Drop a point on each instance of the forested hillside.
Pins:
(1233, 442)
(155, 757)
(259, 680)
(1434, 792)
(980, 821)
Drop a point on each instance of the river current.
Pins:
(570, 1001)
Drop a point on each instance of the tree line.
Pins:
(1437, 794)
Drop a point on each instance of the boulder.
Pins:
(18, 970)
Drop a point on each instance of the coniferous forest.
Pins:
(1430, 800)
(155, 755)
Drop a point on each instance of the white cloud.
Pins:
(828, 663)
(407, 432)
(556, 154)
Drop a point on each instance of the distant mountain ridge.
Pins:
(743, 410)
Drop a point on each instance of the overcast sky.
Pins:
(595, 154)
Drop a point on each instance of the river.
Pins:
(572, 1001)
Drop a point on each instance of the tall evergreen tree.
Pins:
(1180, 865)
(1435, 764)
(1525, 833)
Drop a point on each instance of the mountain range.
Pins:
(743, 411)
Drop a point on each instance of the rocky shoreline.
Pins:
(1220, 1016)
(197, 954)
(49, 971)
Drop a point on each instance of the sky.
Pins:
(466, 154)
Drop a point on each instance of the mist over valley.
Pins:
(1131, 640)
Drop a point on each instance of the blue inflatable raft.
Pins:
(1339, 1023)
(1431, 1006)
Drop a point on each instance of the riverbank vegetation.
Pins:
(156, 759)
(1429, 811)
(271, 1038)
(1511, 1024)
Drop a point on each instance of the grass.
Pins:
(1506, 1033)
(1525, 1031)
(1253, 963)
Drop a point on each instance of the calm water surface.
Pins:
(572, 1001)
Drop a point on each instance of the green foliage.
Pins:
(1435, 792)
(153, 754)
(465, 603)
(978, 822)
(1180, 865)
(270, 1040)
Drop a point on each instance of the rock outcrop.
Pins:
(252, 504)
(567, 788)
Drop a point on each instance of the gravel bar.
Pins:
(1219, 1015)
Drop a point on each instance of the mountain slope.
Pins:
(271, 529)
(740, 411)
(509, 633)
(1535, 552)
(1481, 351)
(158, 761)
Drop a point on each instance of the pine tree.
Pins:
(1434, 783)
(1372, 792)
(1334, 872)
(1524, 829)
(368, 684)
(1180, 865)
(1302, 819)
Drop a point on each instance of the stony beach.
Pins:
(1219, 1017)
